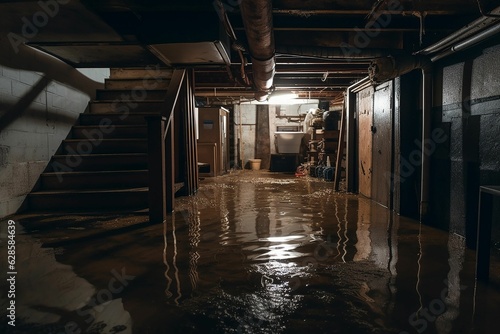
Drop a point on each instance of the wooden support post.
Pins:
(192, 135)
(169, 159)
(187, 136)
(351, 142)
(161, 153)
(188, 182)
(156, 163)
(340, 151)
(180, 141)
(195, 141)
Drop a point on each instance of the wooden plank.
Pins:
(187, 121)
(382, 144)
(194, 160)
(351, 142)
(340, 150)
(174, 89)
(195, 146)
(365, 123)
(169, 165)
(156, 162)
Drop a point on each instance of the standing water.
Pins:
(258, 252)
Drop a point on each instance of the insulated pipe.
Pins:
(469, 42)
(258, 22)
(465, 32)
(388, 68)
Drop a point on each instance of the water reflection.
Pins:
(51, 298)
(255, 253)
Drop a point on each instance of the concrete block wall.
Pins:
(467, 107)
(36, 114)
(248, 120)
(245, 120)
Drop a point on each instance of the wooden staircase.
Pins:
(102, 166)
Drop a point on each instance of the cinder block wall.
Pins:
(467, 107)
(36, 114)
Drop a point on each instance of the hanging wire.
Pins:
(325, 76)
(479, 5)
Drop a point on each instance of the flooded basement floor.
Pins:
(252, 252)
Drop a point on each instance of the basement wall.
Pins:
(466, 154)
(36, 114)
(467, 107)
(246, 134)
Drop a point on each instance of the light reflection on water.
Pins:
(272, 245)
(267, 253)
(290, 255)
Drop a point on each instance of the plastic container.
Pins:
(288, 142)
(255, 164)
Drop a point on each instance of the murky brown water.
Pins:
(259, 253)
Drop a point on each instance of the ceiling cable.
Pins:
(325, 76)
(483, 13)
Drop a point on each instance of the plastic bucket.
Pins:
(255, 164)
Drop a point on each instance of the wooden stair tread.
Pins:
(135, 101)
(105, 139)
(89, 191)
(121, 126)
(101, 155)
(96, 172)
(107, 114)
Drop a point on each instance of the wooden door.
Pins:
(365, 122)
(382, 144)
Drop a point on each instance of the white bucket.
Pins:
(255, 163)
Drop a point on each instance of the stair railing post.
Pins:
(156, 166)
(170, 165)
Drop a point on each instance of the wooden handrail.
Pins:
(174, 89)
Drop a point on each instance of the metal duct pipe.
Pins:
(388, 68)
(258, 22)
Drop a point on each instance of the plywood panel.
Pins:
(212, 127)
(382, 144)
(365, 119)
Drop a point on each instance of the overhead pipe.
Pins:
(463, 33)
(258, 22)
(388, 68)
(475, 39)
(346, 53)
